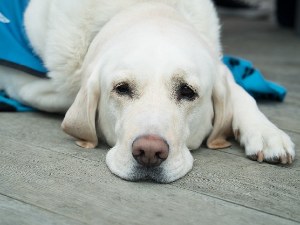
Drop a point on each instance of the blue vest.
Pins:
(15, 49)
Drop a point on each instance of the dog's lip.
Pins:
(143, 173)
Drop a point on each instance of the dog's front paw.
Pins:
(263, 141)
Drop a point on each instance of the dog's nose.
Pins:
(150, 150)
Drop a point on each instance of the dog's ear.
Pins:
(80, 119)
(222, 125)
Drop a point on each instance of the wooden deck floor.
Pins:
(46, 179)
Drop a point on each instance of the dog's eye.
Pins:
(123, 89)
(186, 92)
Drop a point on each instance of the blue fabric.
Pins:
(15, 50)
(11, 105)
(252, 81)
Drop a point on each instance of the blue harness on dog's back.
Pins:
(16, 52)
(15, 49)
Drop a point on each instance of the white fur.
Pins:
(90, 46)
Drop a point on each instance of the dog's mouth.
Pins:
(169, 170)
(143, 173)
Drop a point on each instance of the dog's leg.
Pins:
(33, 91)
(42, 95)
(262, 140)
(12, 81)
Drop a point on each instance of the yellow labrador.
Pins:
(147, 78)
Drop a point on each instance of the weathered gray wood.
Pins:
(286, 116)
(13, 212)
(86, 191)
(43, 130)
(297, 22)
(262, 42)
(269, 188)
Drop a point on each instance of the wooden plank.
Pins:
(43, 130)
(285, 116)
(297, 19)
(86, 191)
(269, 188)
(262, 43)
(16, 212)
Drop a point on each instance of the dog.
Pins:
(147, 78)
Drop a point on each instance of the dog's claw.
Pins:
(236, 134)
(290, 159)
(260, 156)
(283, 159)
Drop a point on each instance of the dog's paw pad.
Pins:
(274, 160)
(252, 157)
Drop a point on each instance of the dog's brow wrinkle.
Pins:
(180, 73)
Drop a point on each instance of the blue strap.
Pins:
(10, 105)
(252, 81)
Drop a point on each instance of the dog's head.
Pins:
(153, 90)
